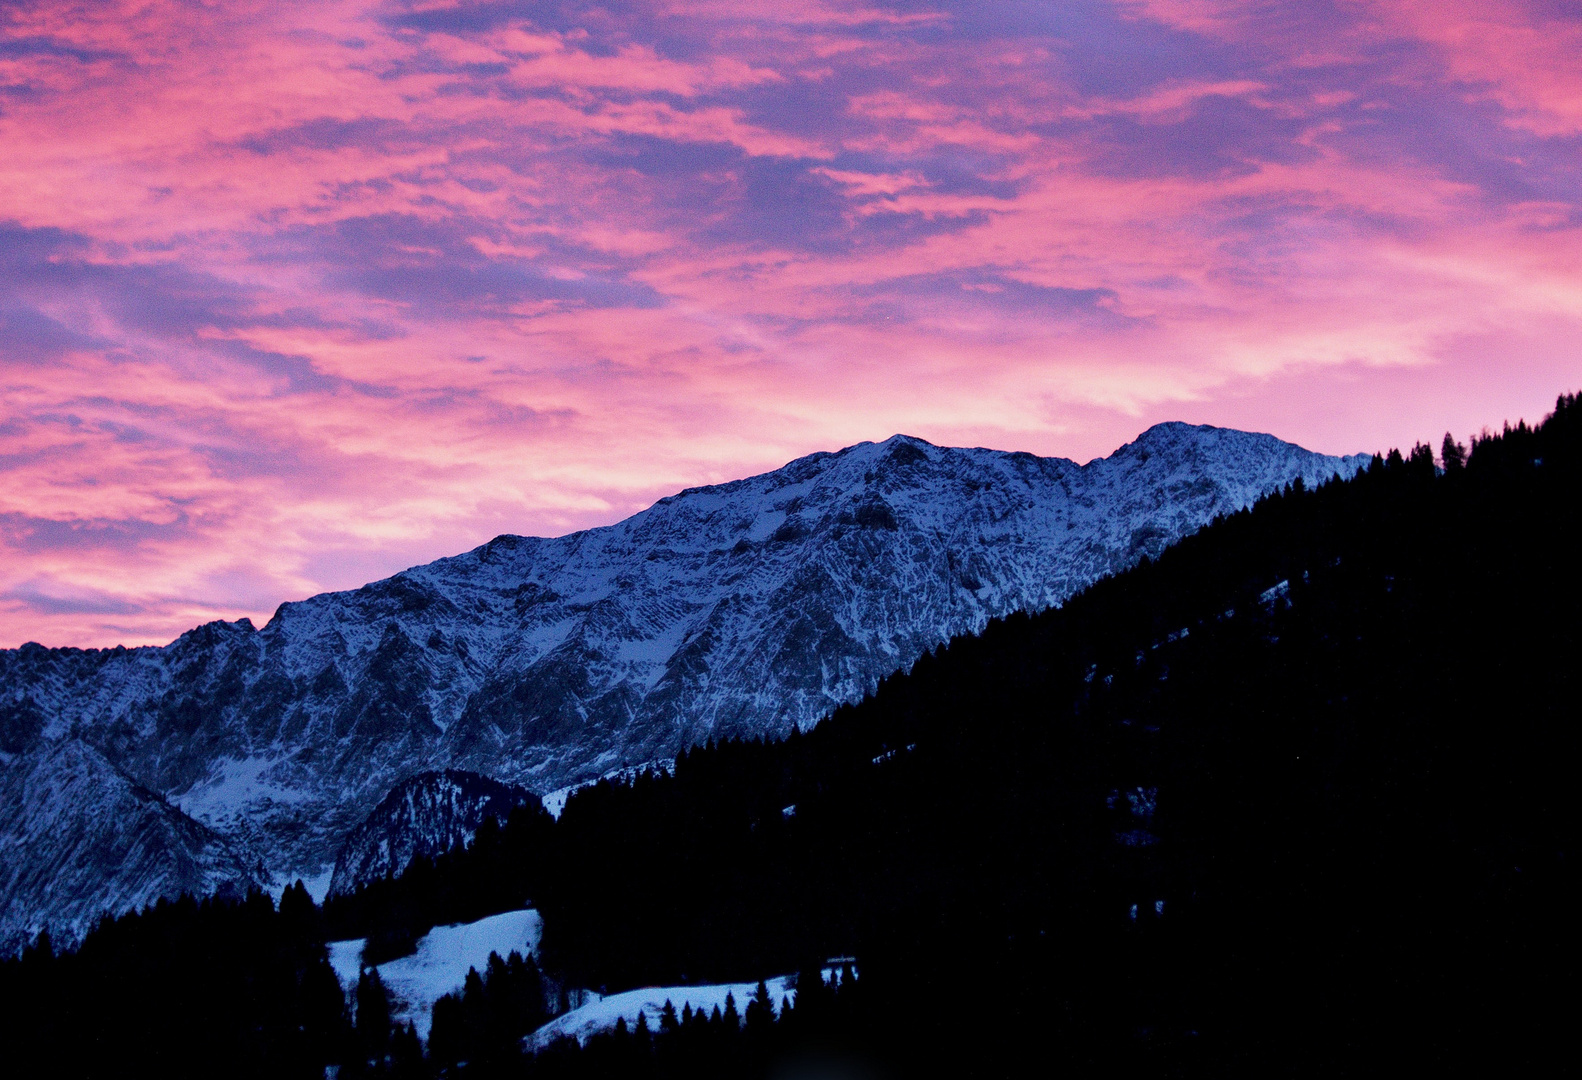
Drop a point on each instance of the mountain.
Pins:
(78, 837)
(747, 608)
(1290, 800)
(1293, 799)
(427, 814)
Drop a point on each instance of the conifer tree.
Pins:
(761, 1009)
(406, 1053)
(447, 1035)
(322, 1017)
(373, 1015)
(812, 993)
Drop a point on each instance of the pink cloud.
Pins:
(294, 295)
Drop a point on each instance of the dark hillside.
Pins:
(1288, 797)
(1292, 795)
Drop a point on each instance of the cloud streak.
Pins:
(293, 295)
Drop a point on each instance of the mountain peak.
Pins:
(743, 609)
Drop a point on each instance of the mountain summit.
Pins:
(742, 609)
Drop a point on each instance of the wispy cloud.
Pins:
(295, 294)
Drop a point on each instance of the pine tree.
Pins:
(406, 1053)
(373, 1015)
(761, 1009)
(447, 1034)
(812, 993)
(322, 1018)
(1453, 454)
(733, 1019)
(1422, 461)
(527, 992)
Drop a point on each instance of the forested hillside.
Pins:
(1289, 800)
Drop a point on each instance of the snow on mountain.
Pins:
(555, 801)
(745, 608)
(78, 838)
(426, 814)
(603, 1013)
(439, 966)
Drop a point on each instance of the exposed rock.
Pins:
(79, 839)
(746, 608)
(427, 814)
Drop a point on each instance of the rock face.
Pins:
(427, 814)
(77, 838)
(742, 609)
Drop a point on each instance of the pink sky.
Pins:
(294, 295)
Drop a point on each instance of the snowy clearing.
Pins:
(441, 962)
(602, 1013)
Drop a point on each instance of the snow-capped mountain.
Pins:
(741, 609)
(427, 814)
(80, 837)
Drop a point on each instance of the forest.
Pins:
(1288, 800)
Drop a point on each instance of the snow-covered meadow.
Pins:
(440, 965)
(602, 1013)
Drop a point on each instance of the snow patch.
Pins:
(1276, 592)
(318, 885)
(602, 1013)
(439, 966)
(236, 785)
(555, 801)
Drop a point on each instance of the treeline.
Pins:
(185, 988)
(828, 1030)
(497, 872)
(483, 1025)
(241, 987)
(479, 1032)
(1290, 799)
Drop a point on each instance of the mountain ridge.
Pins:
(78, 827)
(427, 814)
(745, 608)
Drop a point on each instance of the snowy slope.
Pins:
(742, 609)
(444, 956)
(78, 838)
(602, 1014)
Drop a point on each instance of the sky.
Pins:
(295, 295)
